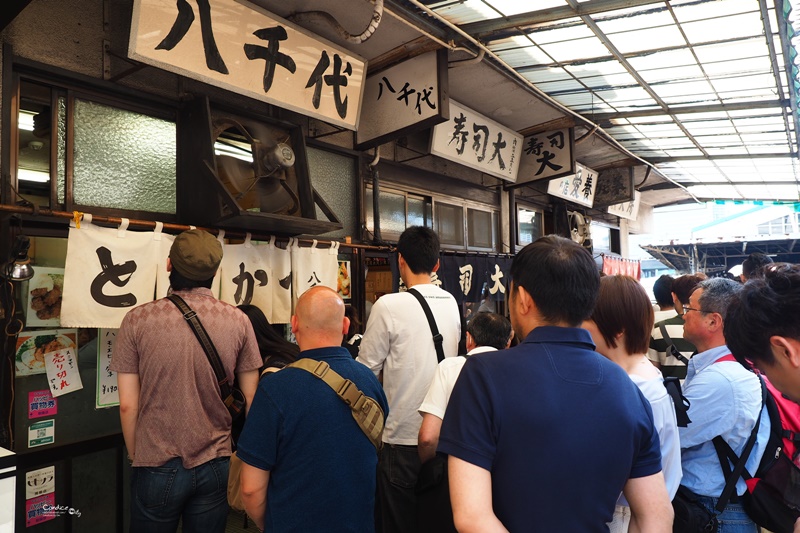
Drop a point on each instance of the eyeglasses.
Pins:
(686, 309)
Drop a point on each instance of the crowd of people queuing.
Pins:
(554, 420)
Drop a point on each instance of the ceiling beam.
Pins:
(481, 30)
(687, 109)
(11, 8)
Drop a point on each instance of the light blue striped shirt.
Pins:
(725, 400)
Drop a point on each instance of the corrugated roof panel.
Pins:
(659, 74)
(755, 47)
(777, 138)
(726, 151)
(517, 41)
(719, 28)
(624, 95)
(660, 130)
(692, 10)
(546, 74)
(556, 87)
(671, 58)
(742, 83)
(599, 68)
(707, 141)
(650, 119)
(648, 39)
(466, 11)
(561, 34)
(620, 24)
(608, 81)
(751, 95)
(524, 57)
(696, 132)
(588, 48)
(715, 191)
(684, 88)
(769, 192)
(755, 65)
(514, 7)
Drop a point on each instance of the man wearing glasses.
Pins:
(725, 400)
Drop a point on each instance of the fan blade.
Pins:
(273, 198)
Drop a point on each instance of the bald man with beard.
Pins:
(308, 466)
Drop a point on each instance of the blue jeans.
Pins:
(161, 496)
(733, 519)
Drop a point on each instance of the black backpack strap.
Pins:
(671, 349)
(205, 341)
(673, 386)
(437, 337)
(727, 456)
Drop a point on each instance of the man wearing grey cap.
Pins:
(175, 424)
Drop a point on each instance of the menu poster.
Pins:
(107, 389)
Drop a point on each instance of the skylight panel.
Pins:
(588, 48)
(647, 39)
(720, 28)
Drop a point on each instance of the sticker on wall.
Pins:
(39, 482)
(41, 403)
(42, 433)
(107, 394)
(32, 346)
(62, 371)
(37, 510)
(44, 297)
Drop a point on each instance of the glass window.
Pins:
(398, 211)
(34, 119)
(529, 225)
(419, 211)
(326, 170)
(450, 223)
(123, 160)
(480, 229)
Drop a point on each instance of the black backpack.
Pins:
(772, 499)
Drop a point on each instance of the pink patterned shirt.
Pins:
(181, 413)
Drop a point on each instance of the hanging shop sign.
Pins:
(107, 273)
(547, 155)
(629, 209)
(578, 188)
(247, 50)
(405, 98)
(476, 282)
(614, 186)
(475, 141)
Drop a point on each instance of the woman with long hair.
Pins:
(276, 351)
(620, 325)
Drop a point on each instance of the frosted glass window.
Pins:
(392, 212)
(123, 160)
(480, 228)
(450, 224)
(419, 212)
(333, 176)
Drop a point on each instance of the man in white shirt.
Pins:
(399, 343)
(486, 332)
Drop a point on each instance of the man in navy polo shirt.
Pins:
(544, 436)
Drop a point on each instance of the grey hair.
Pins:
(717, 295)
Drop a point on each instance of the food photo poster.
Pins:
(32, 346)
